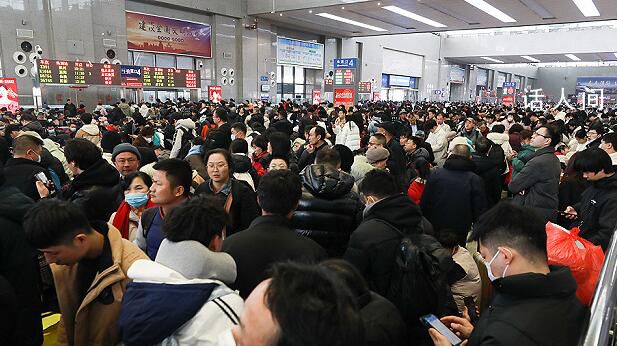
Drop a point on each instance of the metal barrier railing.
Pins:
(600, 329)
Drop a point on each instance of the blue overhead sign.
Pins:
(263, 78)
(346, 63)
(509, 84)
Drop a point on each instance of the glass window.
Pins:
(288, 74)
(143, 59)
(299, 89)
(288, 88)
(279, 88)
(287, 96)
(279, 74)
(299, 72)
(131, 57)
(185, 62)
(164, 60)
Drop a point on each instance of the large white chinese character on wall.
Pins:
(536, 102)
(564, 101)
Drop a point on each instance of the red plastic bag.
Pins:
(583, 258)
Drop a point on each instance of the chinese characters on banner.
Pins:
(215, 93)
(595, 98)
(590, 98)
(166, 35)
(344, 96)
(8, 94)
(509, 89)
(316, 96)
(533, 100)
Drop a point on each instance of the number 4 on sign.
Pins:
(563, 100)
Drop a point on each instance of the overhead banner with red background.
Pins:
(343, 96)
(167, 35)
(215, 93)
(316, 96)
(8, 94)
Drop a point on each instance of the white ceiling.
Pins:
(549, 58)
(455, 14)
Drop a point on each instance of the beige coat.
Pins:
(89, 322)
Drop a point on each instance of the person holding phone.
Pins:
(534, 303)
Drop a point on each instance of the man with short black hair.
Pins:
(316, 142)
(609, 144)
(290, 309)
(189, 268)
(597, 210)
(171, 184)
(534, 304)
(93, 187)
(537, 184)
(396, 160)
(238, 131)
(269, 238)
(89, 261)
(221, 136)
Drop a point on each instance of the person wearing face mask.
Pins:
(136, 199)
(534, 303)
(24, 169)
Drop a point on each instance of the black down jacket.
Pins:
(329, 210)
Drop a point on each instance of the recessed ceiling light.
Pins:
(414, 16)
(379, 4)
(492, 60)
(342, 7)
(573, 57)
(527, 57)
(587, 8)
(489, 9)
(350, 21)
(280, 14)
(310, 11)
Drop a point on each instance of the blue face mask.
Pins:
(137, 199)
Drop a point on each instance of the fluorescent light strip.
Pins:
(350, 21)
(489, 9)
(573, 57)
(527, 57)
(491, 59)
(414, 16)
(587, 8)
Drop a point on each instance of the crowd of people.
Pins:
(251, 223)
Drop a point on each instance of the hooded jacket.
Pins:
(180, 299)
(90, 132)
(97, 191)
(182, 126)
(454, 197)
(597, 211)
(502, 139)
(532, 309)
(21, 173)
(19, 266)
(329, 210)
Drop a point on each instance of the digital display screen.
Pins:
(364, 87)
(344, 76)
(86, 73)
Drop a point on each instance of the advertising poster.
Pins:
(8, 94)
(376, 96)
(316, 97)
(344, 96)
(215, 93)
(300, 53)
(166, 35)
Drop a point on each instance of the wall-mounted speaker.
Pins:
(232, 81)
(110, 53)
(33, 57)
(20, 57)
(224, 80)
(26, 46)
(231, 73)
(105, 61)
(223, 72)
(21, 71)
(117, 62)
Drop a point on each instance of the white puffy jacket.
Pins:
(349, 136)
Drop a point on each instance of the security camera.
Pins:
(39, 50)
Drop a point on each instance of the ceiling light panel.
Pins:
(489, 9)
(414, 16)
(527, 57)
(573, 57)
(587, 8)
(491, 59)
(350, 21)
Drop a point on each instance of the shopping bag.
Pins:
(567, 248)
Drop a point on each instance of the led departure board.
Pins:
(86, 73)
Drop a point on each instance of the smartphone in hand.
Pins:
(431, 321)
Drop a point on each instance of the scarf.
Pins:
(121, 220)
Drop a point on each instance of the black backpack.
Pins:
(418, 282)
(186, 143)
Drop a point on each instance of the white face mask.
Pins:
(233, 137)
(226, 339)
(489, 272)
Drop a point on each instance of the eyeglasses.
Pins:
(123, 161)
(539, 134)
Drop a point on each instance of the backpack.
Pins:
(418, 282)
(186, 143)
(147, 218)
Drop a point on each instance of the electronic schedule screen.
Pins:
(87, 73)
